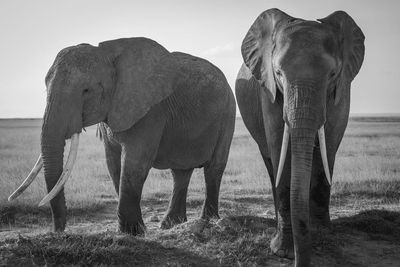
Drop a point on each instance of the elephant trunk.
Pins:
(59, 124)
(302, 144)
(304, 114)
(52, 146)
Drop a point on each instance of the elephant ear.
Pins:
(258, 44)
(351, 41)
(144, 77)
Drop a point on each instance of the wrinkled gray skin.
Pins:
(298, 72)
(156, 109)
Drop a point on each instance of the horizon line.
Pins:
(356, 114)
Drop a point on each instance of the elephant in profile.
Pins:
(293, 92)
(155, 108)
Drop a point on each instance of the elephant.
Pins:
(154, 108)
(293, 86)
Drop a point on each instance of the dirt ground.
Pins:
(367, 238)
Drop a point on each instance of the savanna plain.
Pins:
(365, 207)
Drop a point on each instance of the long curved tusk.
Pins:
(31, 176)
(285, 142)
(69, 165)
(322, 145)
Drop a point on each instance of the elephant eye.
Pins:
(86, 91)
(332, 74)
(278, 72)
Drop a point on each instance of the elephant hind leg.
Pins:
(176, 213)
(214, 170)
(213, 175)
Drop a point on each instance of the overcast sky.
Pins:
(32, 33)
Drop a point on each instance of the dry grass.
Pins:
(366, 180)
(90, 183)
(367, 164)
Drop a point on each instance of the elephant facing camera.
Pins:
(293, 92)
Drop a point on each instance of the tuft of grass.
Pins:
(232, 241)
(100, 249)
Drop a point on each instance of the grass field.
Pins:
(365, 207)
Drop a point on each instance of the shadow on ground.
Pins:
(369, 238)
(376, 224)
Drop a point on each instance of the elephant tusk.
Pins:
(69, 165)
(31, 176)
(322, 145)
(285, 142)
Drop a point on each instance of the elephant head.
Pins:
(311, 64)
(117, 82)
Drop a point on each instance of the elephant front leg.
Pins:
(177, 206)
(282, 242)
(139, 149)
(59, 212)
(320, 192)
(130, 193)
(319, 206)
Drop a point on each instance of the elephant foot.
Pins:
(282, 245)
(136, 229)
(320, 221)
(207, 217)
(170, 221)
(59, 224)
(209, 213)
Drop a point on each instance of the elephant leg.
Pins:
(177, 206)
(113, 160)
(282, 242)
(213, 176)
(139, 149)
(134, 174)
(320, 192)
(268, 164)
(214, 170)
